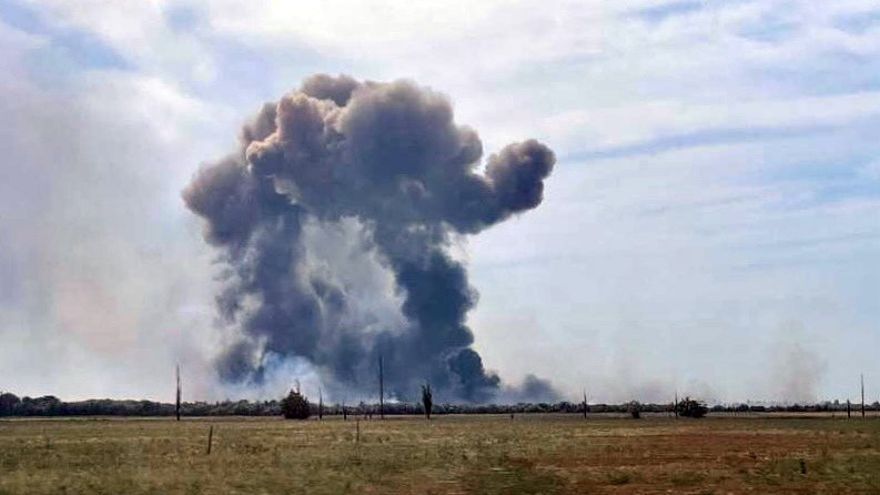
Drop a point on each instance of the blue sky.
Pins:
(712, 227)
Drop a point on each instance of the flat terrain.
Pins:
(461, 454)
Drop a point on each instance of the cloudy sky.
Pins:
(712, 225)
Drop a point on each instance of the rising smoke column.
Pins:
(389, 158)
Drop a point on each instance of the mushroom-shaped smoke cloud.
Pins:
(386, 163)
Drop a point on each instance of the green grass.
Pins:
(462, 454)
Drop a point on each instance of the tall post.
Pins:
(862, 380)
(320, 404)
(177, 402)
(210, 438)
(848, 409)
(381, 390)
(585, 403)
(427, 399)
(675, 405)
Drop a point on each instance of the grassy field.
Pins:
(462, 454)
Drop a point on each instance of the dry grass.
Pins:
(480, 455)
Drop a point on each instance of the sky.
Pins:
(711, 227)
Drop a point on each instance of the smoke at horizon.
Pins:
(335, 219)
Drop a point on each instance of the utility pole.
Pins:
(862, 380)
(675, 405)
(177, 402)
(427, 399)
(320, 404)
(585, 404)
(381, 390)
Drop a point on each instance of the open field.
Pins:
(455, 454)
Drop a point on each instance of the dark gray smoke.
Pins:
(389, 159)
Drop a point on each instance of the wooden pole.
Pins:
(862, 380)
(357, 429)
(177, 402)
(675, 405)
(427, 399)
(848, 409)
(585, 404)
(381, 390)
(210, 438)
(320, 404)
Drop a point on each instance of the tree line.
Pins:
(12, 405)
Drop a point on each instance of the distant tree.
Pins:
(690, 408)
(635, 409)
(8, 403)
(295, 406)
(47, 405)
(427, 399)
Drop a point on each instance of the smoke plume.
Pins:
(384, 167)
(797, 372)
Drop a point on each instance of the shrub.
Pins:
(295, 406)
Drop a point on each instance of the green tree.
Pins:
(295, 406)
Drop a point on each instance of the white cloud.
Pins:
(653, 120)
